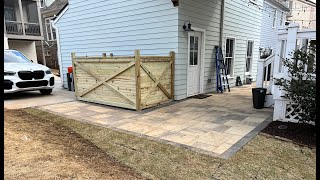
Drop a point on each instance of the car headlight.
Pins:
(48, 71)
(9, 73)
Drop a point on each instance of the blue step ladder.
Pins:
(221, 71)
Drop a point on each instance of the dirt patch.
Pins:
(36, 148)
(299, 133)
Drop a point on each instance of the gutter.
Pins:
(221, 23)
(53, 22)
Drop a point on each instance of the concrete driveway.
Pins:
(34, 98)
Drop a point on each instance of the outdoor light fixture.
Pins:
(187, 28)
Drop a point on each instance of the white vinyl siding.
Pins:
(242, 22)
(119, 27)
(268, 37)
(204, 14)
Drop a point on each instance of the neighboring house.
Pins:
(49, 11)
(22, 26)
(302, 12)
(273, 17)
(156, 27)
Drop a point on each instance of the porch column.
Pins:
(39, 17)
(21, 15)
(259, 82)
(291, 44)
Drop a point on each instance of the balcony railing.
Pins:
(13, 27)
(31, 29)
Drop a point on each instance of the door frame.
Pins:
(203, 50)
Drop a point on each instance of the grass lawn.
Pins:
(261, 158)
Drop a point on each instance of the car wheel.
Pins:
(46, 91)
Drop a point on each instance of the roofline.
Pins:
(274, 2)
(309, 2)
(59, 15)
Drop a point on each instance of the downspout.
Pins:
(53, 22)
(221, 23)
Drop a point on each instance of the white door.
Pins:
(194, 63)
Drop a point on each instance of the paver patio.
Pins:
(219, 125)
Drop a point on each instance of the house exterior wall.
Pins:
(303, 10)
(28, 48)
(204, 14)
(242, 22)
(119, 27)
(269, 34)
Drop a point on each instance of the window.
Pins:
(9, 13)
(290, 5)
(249, 56)
(194, 50)
(282, 54)
(274, 18)
(229, 55)
(51, 32)
(281, 19)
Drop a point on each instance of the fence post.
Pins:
(138, 79)
(173, 56)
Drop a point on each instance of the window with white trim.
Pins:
(249, 56)
(274, 18)
(51, 32)
(282, 55)
(229, 55)
(281, 19)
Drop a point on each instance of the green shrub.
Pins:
(300, 88)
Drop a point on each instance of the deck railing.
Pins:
(16, 28)
(32, 29)
(265, 72)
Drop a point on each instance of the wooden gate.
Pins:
(134, 82)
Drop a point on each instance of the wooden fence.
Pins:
(134, 82)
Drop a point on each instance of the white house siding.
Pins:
(269, 34)
(204, 14)
(243, 23)
(118, 26)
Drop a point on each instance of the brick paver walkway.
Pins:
(219, 125)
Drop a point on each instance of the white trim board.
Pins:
(58, 41)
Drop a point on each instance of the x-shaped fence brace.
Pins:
(105, 81)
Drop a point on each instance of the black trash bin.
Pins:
(258, 96)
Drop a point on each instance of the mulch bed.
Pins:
(298, 133)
